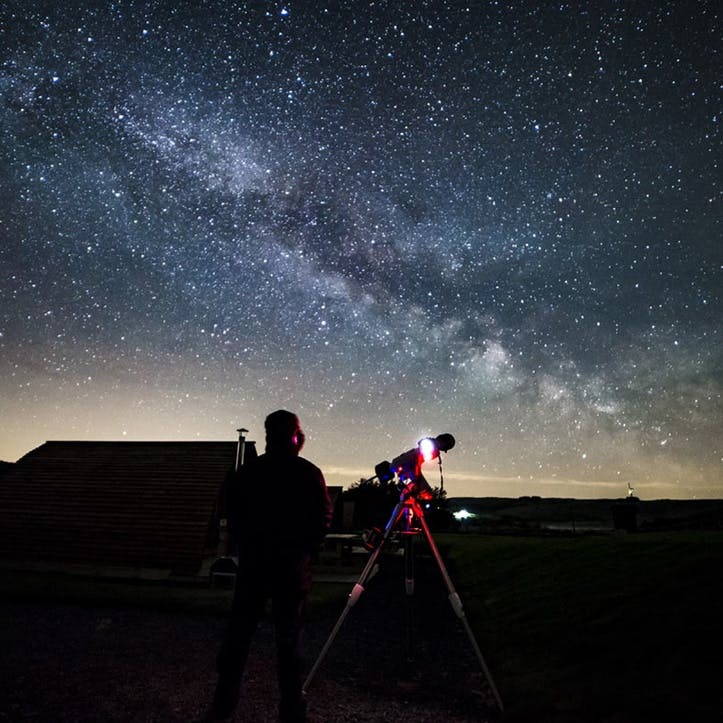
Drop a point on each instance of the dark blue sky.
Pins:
(499, 220)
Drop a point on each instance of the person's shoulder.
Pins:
(252, 466)
(309, 466)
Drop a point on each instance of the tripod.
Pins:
(407, 510)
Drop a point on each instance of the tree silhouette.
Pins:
(374, 503)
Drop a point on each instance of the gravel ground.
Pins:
(71, 663)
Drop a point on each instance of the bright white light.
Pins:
(428, 448)
(463, 515)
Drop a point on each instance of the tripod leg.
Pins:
(409, 590)
(355, 594)
(456, 604)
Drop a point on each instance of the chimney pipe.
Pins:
(240, 448)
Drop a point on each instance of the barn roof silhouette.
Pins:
(147, 505)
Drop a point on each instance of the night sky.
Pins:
(499, 220)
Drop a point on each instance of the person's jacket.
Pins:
(279, 502)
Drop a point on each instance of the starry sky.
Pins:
(499, 220)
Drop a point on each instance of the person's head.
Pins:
(283, 432)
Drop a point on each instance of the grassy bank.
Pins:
(615, 628)
(611, 628)
(159, 596)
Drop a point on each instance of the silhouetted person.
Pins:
(279, 518)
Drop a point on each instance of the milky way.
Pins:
(498, 220)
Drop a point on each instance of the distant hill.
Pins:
(490, 513)
(5, 467)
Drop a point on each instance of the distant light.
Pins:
(463, 515)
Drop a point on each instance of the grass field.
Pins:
(614, 628)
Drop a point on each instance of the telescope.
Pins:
(406, 468)
(406, 471)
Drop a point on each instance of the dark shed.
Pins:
(148, 505)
